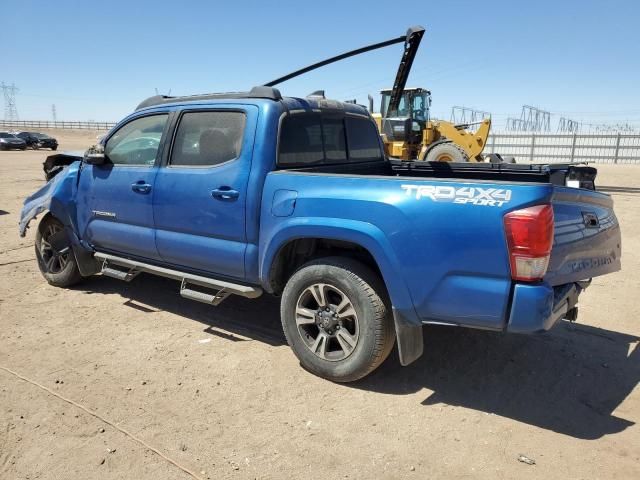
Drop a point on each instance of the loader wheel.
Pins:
(447, 152)
(336, 319)
(57, 265)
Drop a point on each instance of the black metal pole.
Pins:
(404, 38)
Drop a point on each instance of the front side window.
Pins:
(137, 142)
(206, 139)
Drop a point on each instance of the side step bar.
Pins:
(133, 268)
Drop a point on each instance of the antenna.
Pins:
(10, 110)
(53, 113)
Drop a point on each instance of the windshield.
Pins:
(414, 104)
(6, 135)
(403, 110)
(40, 136)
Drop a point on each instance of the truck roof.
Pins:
(315, 101)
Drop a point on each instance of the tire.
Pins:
(58, 268)
(53, 149)
(357, 337)
(447, 152)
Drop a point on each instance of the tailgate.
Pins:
(586, 236)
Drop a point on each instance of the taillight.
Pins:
(529, 238)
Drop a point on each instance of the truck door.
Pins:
(115, 210)
(201, 192)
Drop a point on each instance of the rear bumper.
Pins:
(536, 308)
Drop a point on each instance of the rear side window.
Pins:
(363, 140)
(315, 139)
(205, 139)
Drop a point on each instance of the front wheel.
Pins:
(447, 152)
(336, 320)
(53, 252)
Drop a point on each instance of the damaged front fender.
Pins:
(57, 197)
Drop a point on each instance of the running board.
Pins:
(212, 299)
(125, 276)
(223, 288)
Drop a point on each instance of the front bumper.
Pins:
(537, 307)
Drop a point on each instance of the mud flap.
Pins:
(409, 338)
(87, 264)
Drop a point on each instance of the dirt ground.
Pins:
(218, 391)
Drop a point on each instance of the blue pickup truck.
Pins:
(252, 193)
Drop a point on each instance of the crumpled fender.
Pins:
(56, 197)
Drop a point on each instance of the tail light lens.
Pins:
(529, 238)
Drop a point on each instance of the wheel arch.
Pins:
(370, 245)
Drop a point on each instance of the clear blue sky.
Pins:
(579, 58)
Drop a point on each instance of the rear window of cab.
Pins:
(308, 139)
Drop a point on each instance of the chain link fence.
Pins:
(37, 124)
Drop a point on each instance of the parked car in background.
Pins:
(37, 140)
(9, 141)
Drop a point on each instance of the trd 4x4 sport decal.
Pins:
(488, 197)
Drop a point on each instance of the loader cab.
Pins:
(414, 103)
(410, 119)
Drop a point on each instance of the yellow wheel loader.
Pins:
(410, 133)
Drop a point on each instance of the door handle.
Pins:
(141, 187)
(225, 193)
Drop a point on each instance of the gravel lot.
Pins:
(217, 390)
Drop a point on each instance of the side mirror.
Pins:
(95, 155)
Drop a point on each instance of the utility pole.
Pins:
(53, 113)
(10, 110)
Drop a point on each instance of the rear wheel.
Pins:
(55, 259)
(336, 320)
(447, 152)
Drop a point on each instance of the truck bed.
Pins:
(573, 174)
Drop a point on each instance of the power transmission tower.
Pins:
(516, 125)
(10, 110)
(566, 125)
(53, 113)
(467, 115)
(536, 120)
